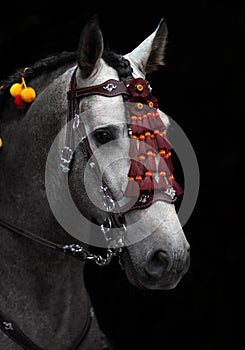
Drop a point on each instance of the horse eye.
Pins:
(103, 136)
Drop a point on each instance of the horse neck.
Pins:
(35, 280)
(28, 136)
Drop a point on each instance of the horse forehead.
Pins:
(101, 110)
(104, 72)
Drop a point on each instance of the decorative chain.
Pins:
(81, 253)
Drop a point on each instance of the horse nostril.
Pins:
(158, 264)
(163, 257)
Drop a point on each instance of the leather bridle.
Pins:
(109, 88)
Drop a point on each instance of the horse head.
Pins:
(157, 253)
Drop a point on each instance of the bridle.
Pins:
(116, 214)
(116, 218)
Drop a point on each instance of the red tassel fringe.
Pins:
(148, 140)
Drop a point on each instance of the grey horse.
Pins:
(43, 299)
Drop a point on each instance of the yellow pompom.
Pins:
(16, 89)
(1, 142)
(28, 94)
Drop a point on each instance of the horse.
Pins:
(44, 303)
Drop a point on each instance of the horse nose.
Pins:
(163, 262)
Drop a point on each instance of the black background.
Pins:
(201, 90)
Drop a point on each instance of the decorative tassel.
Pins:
(151, 162)
(147, 183)
(162, 182)
(145, 124)
(133, 151)
(140, 127)
(150, 142)
(161, 141)
(142, 146)
(133, 125)
(156, 122)
(133, 171)
(132, 189)
(141, 166)
(169, 161)
(162, 166)
(175, 185)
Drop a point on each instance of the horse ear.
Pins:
(90, 47)
(149, 55)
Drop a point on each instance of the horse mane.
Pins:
(118, 62)
(51, 62)
(46, 64)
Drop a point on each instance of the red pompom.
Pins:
(19, 102)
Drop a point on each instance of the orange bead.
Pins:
(139, 105)
(139, 87)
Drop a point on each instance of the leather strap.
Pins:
(11, 329)
(109, 88)
(14, 333)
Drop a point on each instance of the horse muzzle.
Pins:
(158, 270)
(164, 269)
